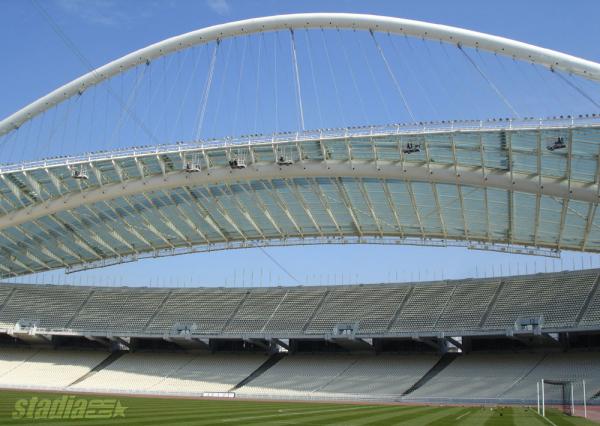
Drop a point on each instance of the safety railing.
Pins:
(315, 135)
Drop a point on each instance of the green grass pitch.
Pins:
(31, 408)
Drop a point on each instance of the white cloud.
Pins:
(219, 6)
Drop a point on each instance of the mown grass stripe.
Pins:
(393, 412)
(147, 411)
(149, 406)
(277, 419)
(403, 416)
(198, 415)
(295, 414)
(434, 416)
(335, 418)
(223, 417)
(320, 419)
(477, 416)
(561, 419)
(383, 414)
(499, 416)
(455, 414)
(174, 413)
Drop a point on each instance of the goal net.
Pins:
(565, 395)
(559, 394)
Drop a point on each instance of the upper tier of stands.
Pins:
(566, 300)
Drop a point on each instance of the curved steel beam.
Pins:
(435, 174)
(445, 33)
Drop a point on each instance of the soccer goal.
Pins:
(561, 394)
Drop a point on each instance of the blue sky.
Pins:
(37, 61)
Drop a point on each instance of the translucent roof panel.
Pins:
(529, 185)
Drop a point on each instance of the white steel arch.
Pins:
(444, 33)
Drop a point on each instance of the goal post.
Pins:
(560, 393)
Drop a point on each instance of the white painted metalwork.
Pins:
(308, 241)
(431, 128)
(458, 36)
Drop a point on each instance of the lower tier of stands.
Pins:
(465, 378)
(45, 368)
(173, 373)
(512, 376)
(340, 376)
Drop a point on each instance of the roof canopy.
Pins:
(495, 186)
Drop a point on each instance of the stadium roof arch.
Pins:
(484, 184)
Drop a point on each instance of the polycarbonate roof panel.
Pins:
(289, 209)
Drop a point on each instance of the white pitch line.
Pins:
(463, 415)
(291, 412)
(547, 419)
